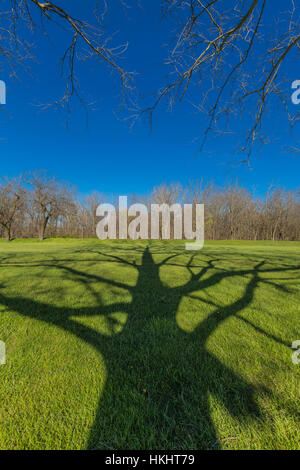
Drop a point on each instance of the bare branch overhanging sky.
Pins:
(106, 155)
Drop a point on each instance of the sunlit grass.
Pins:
(133, 345)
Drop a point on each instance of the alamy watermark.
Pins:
(2, 92)
(183, 224)
(296, 94)
(296, 353)
(2, 353)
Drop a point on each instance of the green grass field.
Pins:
(143, 345)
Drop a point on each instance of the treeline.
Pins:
(36, 205)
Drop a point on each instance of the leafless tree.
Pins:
(92, 201)
(89, 39)
(232, 51)
(167, 194)
(36, 203)
(49, 200)
(11, 202)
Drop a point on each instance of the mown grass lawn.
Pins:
(143, 345)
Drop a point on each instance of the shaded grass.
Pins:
(133, 345)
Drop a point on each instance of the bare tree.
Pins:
(233, 51)
(167, 194)
(89, 39)
(36, 203)
(50, 200)
(92, 201)
(11, 202)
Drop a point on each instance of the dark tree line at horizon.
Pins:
(36, 205)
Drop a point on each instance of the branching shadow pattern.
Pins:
(170, 402)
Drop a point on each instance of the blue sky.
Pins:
(106, 155)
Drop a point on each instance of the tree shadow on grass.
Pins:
(169, 408)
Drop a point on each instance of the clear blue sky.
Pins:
(107, 156)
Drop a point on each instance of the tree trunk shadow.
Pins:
(169, 407)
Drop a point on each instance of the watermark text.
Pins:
(296, 353)
(2, 92)
(164, 221)
(2, 353)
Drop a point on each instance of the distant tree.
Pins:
(33, 204)
(167, 194)
(92, 201)
(49, 200)
(11, 202)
